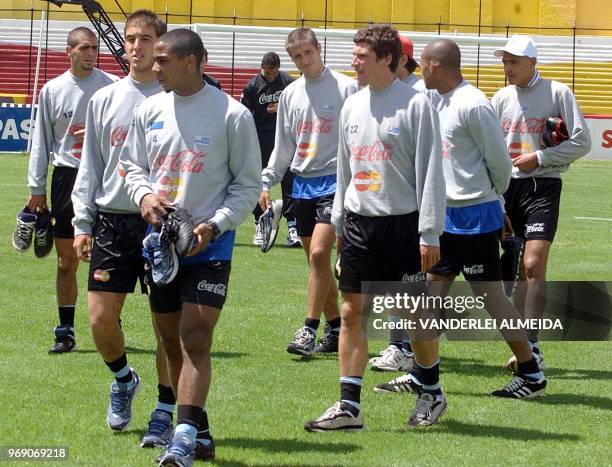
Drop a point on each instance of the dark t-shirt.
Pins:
(212, 81)
(258, 94)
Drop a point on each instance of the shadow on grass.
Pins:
(287, 445)
(595, 402)
(455, 427)
(577, 373)
(236, 463)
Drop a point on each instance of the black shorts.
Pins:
(310, 212)
(116, 258)
(62, 182)
(476, 256)
(201, 284)
(376, 249)
(532, 204)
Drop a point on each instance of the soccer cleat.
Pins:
(119, 413)
(205, 452)
(43, 234)
(162, 257)
(159, 431)
(258, 236)
(510, 260)
(404, 383)
(392, 359)
(337, 418)
(328, 344)
(512, 364)
(64, 340)
(303, 342)
(178, 227)
(293, 240)
(180, 453)
(428, 409)
(521, 387)
(24, 229)
(269, 221)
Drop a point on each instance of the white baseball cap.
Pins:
(521, 46)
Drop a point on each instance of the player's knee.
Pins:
(195, 343)
(67, 264)
(102, 324)
(535, 267)
(319, 256)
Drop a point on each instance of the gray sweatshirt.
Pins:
(523, 112)
(307, 127)
(99, 185)
(200, 152)
(389, 159)
(62, 106)
(476, 166)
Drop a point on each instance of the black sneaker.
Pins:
(328, 344)
(179, 229)
(64, 340)
(24, 230)
(205, 452)
(43, 234)
(521, 387)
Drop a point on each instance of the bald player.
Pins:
(58, 139)
(477, 173)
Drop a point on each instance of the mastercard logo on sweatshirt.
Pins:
(518, 148)
(306, 150)
(367, 180)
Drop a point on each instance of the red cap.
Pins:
(407, 46)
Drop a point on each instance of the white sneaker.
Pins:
(269, 221)
(427, 410)
(336, 418)
(293, 240)
(392, 359)
(258, 236)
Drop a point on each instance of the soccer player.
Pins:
(307, 143)
(58, 139)
(477, 173)
(209, 79)
(532, 199)
(398, 355)
(209, 164)
(260, 96)
(109, 229)
(388, 211)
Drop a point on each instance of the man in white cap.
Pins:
(532, 199)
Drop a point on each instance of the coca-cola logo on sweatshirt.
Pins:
(523, 126)
(318, 125)
(186, 161)
(377, 151)
(118, 136)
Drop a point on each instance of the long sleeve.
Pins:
(136, 163)
(41, 146)
(89, 177)
(486, 133)
(343, 179)
(284, 147)
(245, 166)
(430, 187)
(579, 142)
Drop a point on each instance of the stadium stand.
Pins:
(240, 49)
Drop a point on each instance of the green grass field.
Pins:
(261, 395)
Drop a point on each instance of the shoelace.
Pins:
(514, 384)
(180, 448)
(157, 427)
(41, 237)
(390, 354)
(422, 409)
(24, 229)
(331, 412)
(119, 401)
(303, 336)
